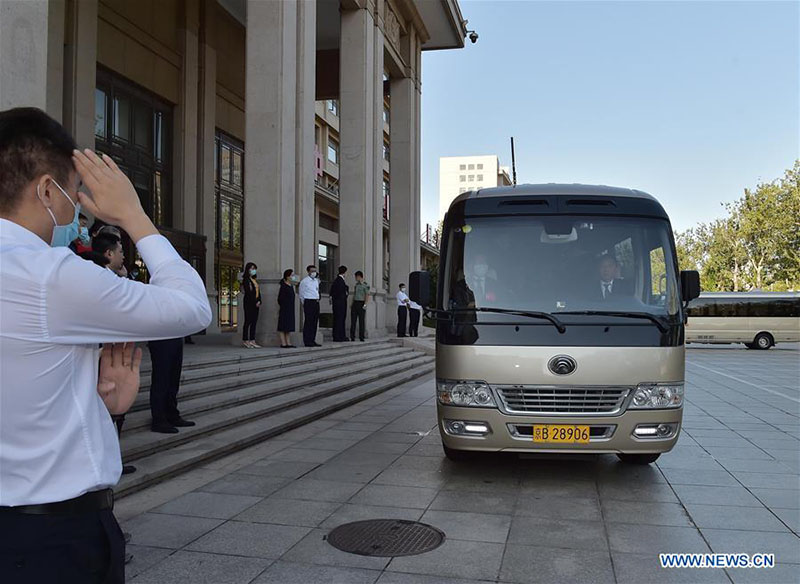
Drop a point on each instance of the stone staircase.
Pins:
(239, 397)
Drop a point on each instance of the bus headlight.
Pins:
(657, 396)
(465, 393)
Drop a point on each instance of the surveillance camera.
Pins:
(473, 36)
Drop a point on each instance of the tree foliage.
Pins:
(755, 246)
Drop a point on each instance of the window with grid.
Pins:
(134, 127)
(229, 225)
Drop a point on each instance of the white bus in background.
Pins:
(757, 319)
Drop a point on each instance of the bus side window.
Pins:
(658, 276)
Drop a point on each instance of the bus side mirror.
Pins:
(419, 288)
(690, 285)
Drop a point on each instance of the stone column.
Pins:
(275, 31)
(206, 130)
(378, 300)
(80, 71)
(305, 220)
(186, 127)
(404, 199)
(361, 64)
(32, 50)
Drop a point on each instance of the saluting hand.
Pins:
(113, 199)
(118, 379)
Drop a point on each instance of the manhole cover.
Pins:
(386, 538)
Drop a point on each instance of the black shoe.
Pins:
(164, 428)
(316, 345)
(290, 347)
(362, 340)
(128, 469)
(181, 423)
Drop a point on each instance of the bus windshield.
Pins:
(561, 264)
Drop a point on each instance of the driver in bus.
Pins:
(610, 285)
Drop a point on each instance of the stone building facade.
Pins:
(280, 132)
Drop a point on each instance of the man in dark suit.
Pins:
(611, 286)
(339, 291)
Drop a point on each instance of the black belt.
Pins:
(91, 501)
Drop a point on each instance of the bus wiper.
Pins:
(527, 313)
(662, 323)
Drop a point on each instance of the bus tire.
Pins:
(457, 455)
(763, 341)
(638, 458)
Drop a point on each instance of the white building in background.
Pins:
(459, 174)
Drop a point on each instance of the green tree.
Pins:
(757, 245)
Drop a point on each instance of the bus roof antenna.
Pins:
(513, 164)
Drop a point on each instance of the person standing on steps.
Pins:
(339, 292)
(166, 357)
(359, 307)
(309, 298)
(286, 309)
(252, 303)
(402, 310)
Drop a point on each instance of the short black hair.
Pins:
(287, 273)
(359, 273)
(31, 144)
(309, 267)
(342, 270)
(96, 257)
(401, 285)
(102, 242)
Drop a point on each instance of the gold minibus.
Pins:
(559, 323)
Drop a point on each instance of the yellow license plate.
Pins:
(560, 434)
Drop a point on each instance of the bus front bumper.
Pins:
(490, 430)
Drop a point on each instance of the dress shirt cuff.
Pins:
(156, 251)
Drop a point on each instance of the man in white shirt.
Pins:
(403, 301)
(59, 452)
(308, 291)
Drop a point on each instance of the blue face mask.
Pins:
(84, 236)
(63, 235)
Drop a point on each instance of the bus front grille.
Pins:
(557, 400)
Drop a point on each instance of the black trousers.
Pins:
(357, 315)
(167, 359)
(413, 326)
(310, 322)
(250, 320)
(86, 548)
(402, 313)
(339, 319)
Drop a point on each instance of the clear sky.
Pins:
(689, 101)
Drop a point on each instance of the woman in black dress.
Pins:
(252, 302)
(286, 312)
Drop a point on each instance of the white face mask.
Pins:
(313, 274)
(403, 289)
(481, 270)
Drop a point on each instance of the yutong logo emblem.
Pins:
(562, 365)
